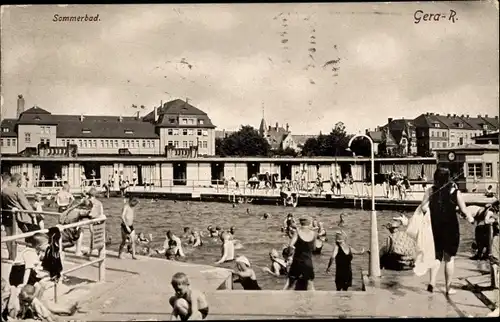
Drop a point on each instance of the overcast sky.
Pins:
(389, 66)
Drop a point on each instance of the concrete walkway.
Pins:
(140, 289)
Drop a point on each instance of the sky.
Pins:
(230, 61)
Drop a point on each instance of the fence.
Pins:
(98, 242)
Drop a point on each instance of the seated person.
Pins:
(74, 214)
(398, 253)
(489, 192)
(187, 303)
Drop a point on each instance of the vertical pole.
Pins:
(374, 247)
(13, 249)
(102, 257)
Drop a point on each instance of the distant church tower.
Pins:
(20, 105)
(263, 126)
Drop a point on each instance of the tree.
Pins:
(285, 152)
(245, 142)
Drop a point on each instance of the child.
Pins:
(27, 263)
(187, 303)
(30, 306)
(227, 248)
(246, 275)
(278, 265)
(342, 253)
(127, 226)
(38, 205)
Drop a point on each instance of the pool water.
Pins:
(257, 236)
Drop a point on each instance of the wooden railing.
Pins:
(98, 241)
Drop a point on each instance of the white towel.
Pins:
(419, 228)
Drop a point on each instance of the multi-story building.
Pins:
(273, 134)
(176, 124)
(436, 131)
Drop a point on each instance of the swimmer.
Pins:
(248, 211)
(196, 237)
(278, 265)
(187, 303)
(187, 233)
(227, 249)
(341, 222)
(172, 247)
(266, 215)
(289, 225)
(232, 230)
(314, 225)
(212, 232)
(245, 274)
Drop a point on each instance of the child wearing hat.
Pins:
(246, 275)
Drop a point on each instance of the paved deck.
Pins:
(139, 290)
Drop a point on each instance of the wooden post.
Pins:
(13, 252)
(55, 290)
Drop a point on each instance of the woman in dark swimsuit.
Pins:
(318, 244)
(442, 200)
(342, 253)
(302, 270)
(246, 275)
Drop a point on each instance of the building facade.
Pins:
(176, 124)
(474, 167)
(435, 131)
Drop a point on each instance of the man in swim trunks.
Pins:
(64, 198)
(127, 226)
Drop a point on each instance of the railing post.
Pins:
(13, 248)
(102, 263)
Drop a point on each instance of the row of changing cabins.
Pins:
(164, 172)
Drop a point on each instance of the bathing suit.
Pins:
(343, 270)
(124, 229)
(62, 208)
(249, 283)
(302, 265)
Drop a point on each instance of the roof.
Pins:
(478, 123)
(70, 126)
(36, 115)
(376, 136)
(453, 121)
(300, 140)
(471, 146)
(263, 126)
(169, 115)
(494, 135)
(275, 136)
(9, 124)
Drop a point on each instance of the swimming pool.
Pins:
(257, 236)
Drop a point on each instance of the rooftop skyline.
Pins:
(230, 60)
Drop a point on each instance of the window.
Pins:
(176, 143)
(27, 137)
(191, 121)
(190, 143)
(460, 125)
(460, 141)
(184, 144)
(444, 144)
(149, 144)
(190, 132)
(176, 131)
(129, 132)
(143, 143)
(201, 122)
(8, 142)
(184, 132)
(170, 132)
(184, 121)
(102, 143)
(171, 120)
(5, 129)
(153, 143)
(86, 131)
(488, 169)
(47, 141)
(205, 133)
(84, 143)
(63, 142)
(475, 169)
(452, 144)
(436, 125)
(72, 141)
(1, 142)
(204, 144)
(14, 142)
(132, 144)
(444, 134)
(170, 143)
(200, 132)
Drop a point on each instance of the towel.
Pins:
(419, 228)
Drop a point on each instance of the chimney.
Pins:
(496, 117)
(287, 127)
(454, 115)
(155, 113)
(468, 115)
(462, 115)
(276, 126)
(448, 115)
(20, 105)
(389, 120)
(138, 116)
(486, 115)
(81, 117)
(479, 115)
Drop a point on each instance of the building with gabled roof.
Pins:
(175, 123)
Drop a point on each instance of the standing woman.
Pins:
(441, 199)
(302, 269)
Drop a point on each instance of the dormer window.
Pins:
(86, 131)
(485, 127)
(5, 129)
(201, 122)
(129, 132)
(171, 120)
(37, 118)
(184, 121)
(460, 125)
(437, 125)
